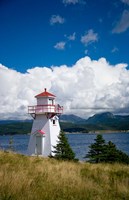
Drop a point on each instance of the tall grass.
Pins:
(35, 178)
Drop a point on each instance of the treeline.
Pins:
(24, 127)
(13, 128)
(101, 121)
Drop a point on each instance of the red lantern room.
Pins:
(45, 104)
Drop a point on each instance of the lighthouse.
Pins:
(45, 128)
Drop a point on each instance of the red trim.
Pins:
(46, 105)
(39, 109)
(40, 131)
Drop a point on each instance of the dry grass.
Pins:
(34, 178)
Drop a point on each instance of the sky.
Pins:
(78, 49)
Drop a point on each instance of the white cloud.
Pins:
(89, 37)
(60, 45)
(56, 19)
(125, 1)
(72, 37)
(88, 87)
(123, 24)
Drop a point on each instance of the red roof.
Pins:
(45, 94)
(40, 131)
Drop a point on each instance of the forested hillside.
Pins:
(72, 123)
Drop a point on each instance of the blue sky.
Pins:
(45, 33)
(77, 49)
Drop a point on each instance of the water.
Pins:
(79, 142)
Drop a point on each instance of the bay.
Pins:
(79, 142)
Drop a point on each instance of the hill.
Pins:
(72, 123)
(101, 121)
(31, 178)
(71, 118)
(109, 121)
(15, 127)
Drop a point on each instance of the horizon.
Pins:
(31, 119)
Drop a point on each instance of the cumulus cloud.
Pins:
(60, 45)
(56, 19)
(89, 37)
(123, 24)
(86, 88)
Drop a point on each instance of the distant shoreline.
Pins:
(99, 132)
(90, 132)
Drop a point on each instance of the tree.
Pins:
(63, 150)
(97, 150)
(122, 157)
(108, 153)
(111, 153)
(115, 155)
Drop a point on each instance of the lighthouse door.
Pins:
(39, 145)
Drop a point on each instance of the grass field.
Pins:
(35, 178)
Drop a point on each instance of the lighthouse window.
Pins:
(54, 121)
(51, 101)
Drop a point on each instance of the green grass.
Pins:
(35, 178)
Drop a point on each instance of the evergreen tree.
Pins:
(122, 157)
(108, 153)
(111, 153)
(63, 150)
(97, 150)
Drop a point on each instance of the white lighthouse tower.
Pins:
(45, 128)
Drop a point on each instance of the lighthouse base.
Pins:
(44, 136)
